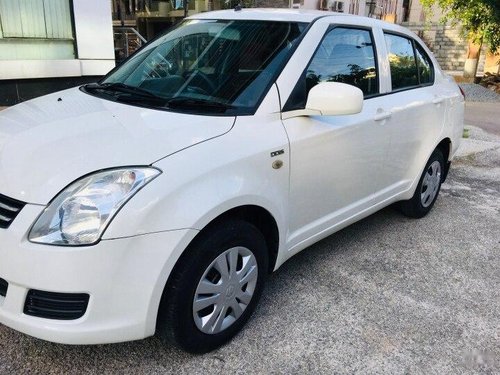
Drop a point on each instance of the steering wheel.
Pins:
(206, 79)
(160, 67)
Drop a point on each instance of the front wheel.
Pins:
(214, 288)
(427, 189)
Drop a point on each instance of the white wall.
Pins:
(417, 14)
(94, 29)
(94, 47)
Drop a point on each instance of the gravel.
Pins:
(478, 93)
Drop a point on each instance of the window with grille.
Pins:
(36, 29)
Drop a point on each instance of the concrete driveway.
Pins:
(386, 295)
(485, 115)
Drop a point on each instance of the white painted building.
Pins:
(390, 10)
(54, 39)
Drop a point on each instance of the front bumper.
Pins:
(124, 278)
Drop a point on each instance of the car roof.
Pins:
(266, 14)
(294, 15)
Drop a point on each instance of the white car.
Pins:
(160, 198)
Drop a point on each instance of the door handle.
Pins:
(438, 100)
(382, 116)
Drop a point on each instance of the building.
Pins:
(388, 10)
(135, 21)
(448, 44)
(48, 45)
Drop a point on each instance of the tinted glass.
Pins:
(425, 69)
(223, 62)
(402, 61)
(347, 56)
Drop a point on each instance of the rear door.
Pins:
(417, 110)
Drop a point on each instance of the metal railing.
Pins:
(127, 41)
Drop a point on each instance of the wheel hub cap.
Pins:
(230, 291)
(430, 184)
(225, 290)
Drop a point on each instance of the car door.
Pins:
(335, 161)
(417, 109)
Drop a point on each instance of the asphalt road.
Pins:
(386, 295)
(485, 115)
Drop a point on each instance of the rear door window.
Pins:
(402, 62)
(410, 65)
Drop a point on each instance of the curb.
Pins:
(479, 141)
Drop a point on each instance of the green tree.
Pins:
(479, 19)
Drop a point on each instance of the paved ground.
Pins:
(386, 295)
(485, 115)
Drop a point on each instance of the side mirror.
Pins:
(334, 98)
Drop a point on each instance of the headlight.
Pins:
(81, 212)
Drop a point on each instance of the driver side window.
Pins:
(345, 55)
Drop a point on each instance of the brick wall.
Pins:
(448, 46)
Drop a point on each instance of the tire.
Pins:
(427, 189)
(199, 274)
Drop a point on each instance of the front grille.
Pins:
(9, 208)
(4, 285)
(61, 306)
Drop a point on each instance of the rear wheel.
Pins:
(214, 288)
(428, 188)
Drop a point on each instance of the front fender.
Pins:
(200, 183)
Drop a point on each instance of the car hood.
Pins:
(49, 142)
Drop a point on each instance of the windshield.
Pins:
(204, 66)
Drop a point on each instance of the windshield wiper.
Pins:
(136, 94)
(195, 103)
(122, 88)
